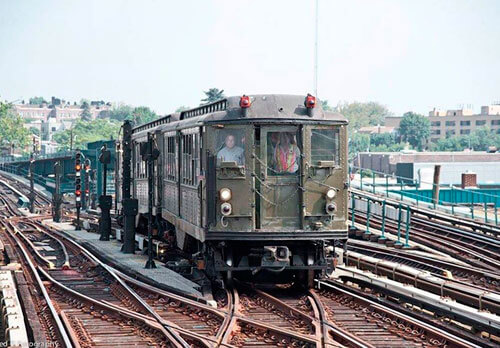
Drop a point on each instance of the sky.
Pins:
(405, 54)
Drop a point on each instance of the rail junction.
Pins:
(410, 275)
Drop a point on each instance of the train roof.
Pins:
(270, 107)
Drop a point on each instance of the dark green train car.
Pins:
(254, 183)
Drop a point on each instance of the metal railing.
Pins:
(400, 187)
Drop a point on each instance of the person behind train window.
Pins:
(286, 154)
(230, 152)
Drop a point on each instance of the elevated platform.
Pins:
(132, 264)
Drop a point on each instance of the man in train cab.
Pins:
(286, 155)
(230, 152)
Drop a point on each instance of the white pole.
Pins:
(316, 53)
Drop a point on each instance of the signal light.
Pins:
(78, 167)
(310, 101)
(245, 102)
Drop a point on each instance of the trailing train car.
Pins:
(254, 184)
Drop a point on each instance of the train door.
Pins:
(280, 161)
(324, 176)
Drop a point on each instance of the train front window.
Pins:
(230, 146)
(283, 154)
(325, 145)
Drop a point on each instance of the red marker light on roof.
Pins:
(245, 102)
(310, 101)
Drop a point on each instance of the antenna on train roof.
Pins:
(316, 52)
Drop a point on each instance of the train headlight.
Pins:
(226, 209)
(330, 194)
(225, 194)
(331, 208)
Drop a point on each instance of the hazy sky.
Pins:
(408, 55)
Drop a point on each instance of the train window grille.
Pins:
(190, 159)
(170, 159)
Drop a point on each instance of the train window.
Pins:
(170, 159)
(325, 145)
(190, 170)
(283, 154)
(230, 146)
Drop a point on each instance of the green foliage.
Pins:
(325, 106)
(212, 95)
(86, 115)
(12, 131)
(479, 140)
(139, 115)
(88, 131)
(359, 143)
(34, 131)
(182, 108)
(363, 114)
(37, 100)
(143, 114)
(415, 129)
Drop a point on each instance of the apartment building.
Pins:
(457, 122)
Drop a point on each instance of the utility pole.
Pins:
(149, 154)
(105, 201)
(129, 205)
(56, 198)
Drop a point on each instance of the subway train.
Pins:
(252, 185)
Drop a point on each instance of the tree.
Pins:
(212, 95)
(415, 129)
(37, 101)
(325, 106)
(143, 114)
(121, 112)
(12, 131)
(35, 131)
(86, 114)
(479, 140)
(363, 114)
(182, 108)
(84, 132)
(359, 143)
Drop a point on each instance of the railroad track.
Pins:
(470, 253)
(287, 316)
(471, 275)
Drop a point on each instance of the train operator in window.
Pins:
(286, 155)
(230, 152)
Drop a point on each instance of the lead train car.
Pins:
(253, 183)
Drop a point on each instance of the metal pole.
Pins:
(407, 229)
(316, 51)
(150, 263)
(373, 183)
(453, 198)
(367, 216)
(387, 186)
(129, 205)
(399, 225)
(353, 212)
(32, 185)
(383, 221)
(56, 217)
(361, 179)
(472, 205)
(496, 215)
(486, 212)
(401, 190)
(105, 201)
